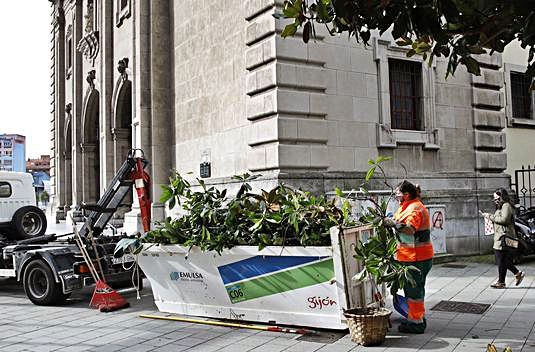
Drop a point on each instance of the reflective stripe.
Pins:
(416, 247)
(416, 310)
(414, 254)
(413, 245)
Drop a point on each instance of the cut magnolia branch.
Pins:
(458, 30)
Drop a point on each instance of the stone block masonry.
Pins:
(488, 115)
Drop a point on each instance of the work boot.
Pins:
(412, 328)
(405, 322)
(519, 277)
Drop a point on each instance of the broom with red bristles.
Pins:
(105, 298)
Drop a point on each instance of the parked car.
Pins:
(20, 218)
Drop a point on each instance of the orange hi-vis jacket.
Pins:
(416, 247)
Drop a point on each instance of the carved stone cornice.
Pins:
(88, 147)
(89, 45)
(120, 133)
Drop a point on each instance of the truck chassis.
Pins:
(51, 267)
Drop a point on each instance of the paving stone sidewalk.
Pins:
(74, 327)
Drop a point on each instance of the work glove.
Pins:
(388, 222)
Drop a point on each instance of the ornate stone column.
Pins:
(141, 96)
(121, 145)
(162, 111)
(106, 72)
(58, 180)
(90, 186)
(77, 77)
(67, 165)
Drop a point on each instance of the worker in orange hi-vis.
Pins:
(414, 249)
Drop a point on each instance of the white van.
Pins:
(19, 216)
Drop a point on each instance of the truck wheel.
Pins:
(40, 286)
(29, 222)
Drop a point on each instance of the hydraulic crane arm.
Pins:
(131, 173)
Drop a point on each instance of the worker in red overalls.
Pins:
(414, 249)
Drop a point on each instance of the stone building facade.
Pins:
(520, 117)
(215, 84)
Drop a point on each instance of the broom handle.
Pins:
(80, 246)
(90, 263)
(98, 260)
(97, 257)
(87, 259)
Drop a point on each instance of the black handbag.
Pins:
(509, 243)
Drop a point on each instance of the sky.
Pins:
(25, 72)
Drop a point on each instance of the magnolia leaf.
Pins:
(454, 26)
(167, 193)
(289, 30)
(471, 65)
(370, 173)
(256, 225)
(126, 245)
(382, 159)
(430, 61)
(172, 203)
(403, 42)
(290, 11)
(360, 276)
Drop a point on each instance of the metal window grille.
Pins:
(405, 94)
(521, 96)
(524, 186)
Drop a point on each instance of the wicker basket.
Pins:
(368, 326)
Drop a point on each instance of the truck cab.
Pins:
(20, 218)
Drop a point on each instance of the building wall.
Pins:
(208, 50)
(519, 140)
(330, 98)
(520, 133)
(216, 83)
(322, 110)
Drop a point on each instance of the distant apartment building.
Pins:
(12, 152)
(40, 170)
(40, 164)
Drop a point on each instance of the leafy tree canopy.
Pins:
(455, 29)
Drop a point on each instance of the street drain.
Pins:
(454, 266)
(461, 307)
(322, 337)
